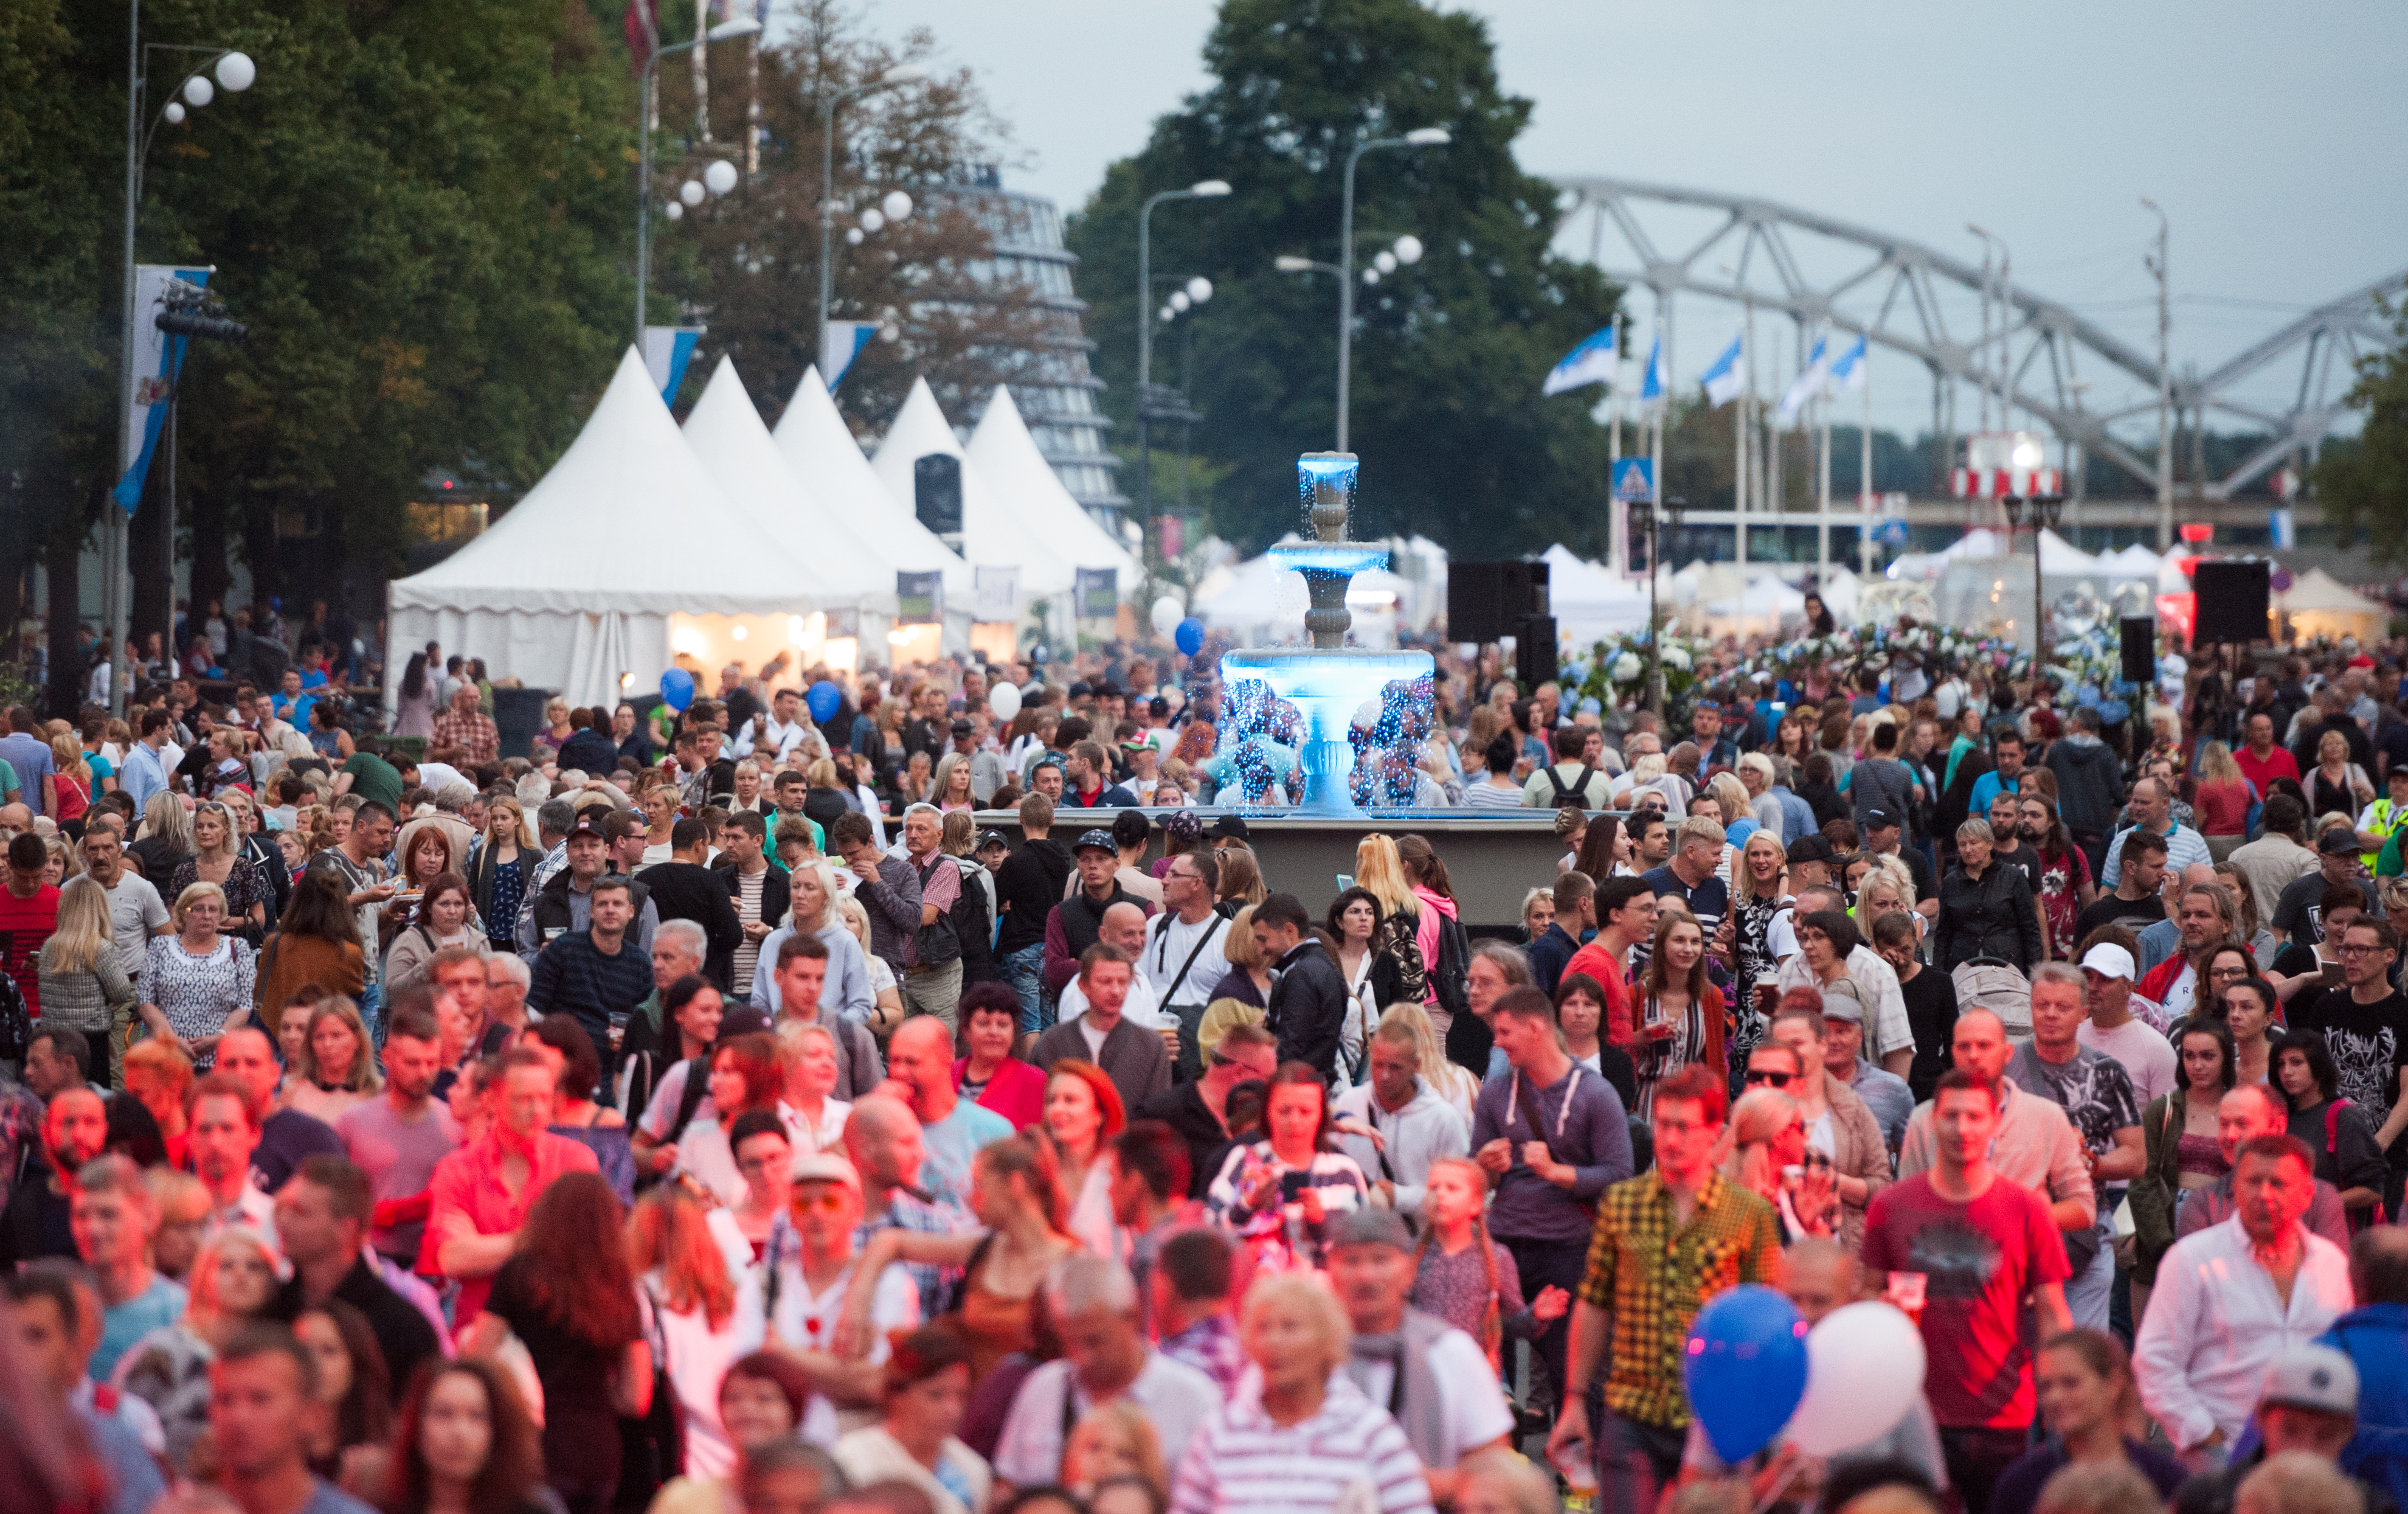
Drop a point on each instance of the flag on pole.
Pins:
(1728, 377)
(1594, 361)
(158, 358)
(1848, 368)
(668, 350)
(643, 24)
(1651, 387)
(842, 344)
(1810, 382)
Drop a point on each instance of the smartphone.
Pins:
(2330, 974)
(1345, 881)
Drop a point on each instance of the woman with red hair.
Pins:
(1082, 1113)
(745, 1075)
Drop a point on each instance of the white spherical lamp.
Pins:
(897, 205)
(692, 192)
(719, 177)
(199, 91)
(872, 222)
(1409, 249)
(235, 72)
(174, 114)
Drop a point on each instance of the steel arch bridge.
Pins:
(2032, 356)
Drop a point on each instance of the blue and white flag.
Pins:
(1651, 387)
(840, 344)
(1728, 377)
(1848, 370)
(668, 350)
(1594, 361)
(150, 377)
(1810, 383)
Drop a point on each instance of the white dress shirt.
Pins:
(2215, 1325)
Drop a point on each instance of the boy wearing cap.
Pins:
(1073, 925)
(805, 1271)
(2112, 1028)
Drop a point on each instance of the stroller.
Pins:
(2000, 987)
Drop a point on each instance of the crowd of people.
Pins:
(700, 1111)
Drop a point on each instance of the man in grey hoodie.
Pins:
(1415, 1126)
(2089, 786)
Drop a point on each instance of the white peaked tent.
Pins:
(839, 486)
(726, 434)
(1589, 602)
(993, 534)
(1006, 457)
(579, 583)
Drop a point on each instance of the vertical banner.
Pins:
(668, 350)
(1098, 595)
(839, 345)
(919, 598)
(1173, 532)
(998, 595)
(1634, 485)
(150, 377)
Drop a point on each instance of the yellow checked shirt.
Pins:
(1655, 1277)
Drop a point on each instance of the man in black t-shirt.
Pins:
(2135, 903)
(2365, 1027)
(2298, 913)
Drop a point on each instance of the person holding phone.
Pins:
(2304, 969)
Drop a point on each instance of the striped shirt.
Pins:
(1240, 1463)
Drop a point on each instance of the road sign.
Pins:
(1634, 481)
(1891, 532)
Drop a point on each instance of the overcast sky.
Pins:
(2276, 139)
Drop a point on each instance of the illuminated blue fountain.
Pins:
(1329, 681)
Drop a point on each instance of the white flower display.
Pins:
(1628, 667)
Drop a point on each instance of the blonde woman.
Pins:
(82, 987)
(256, 847)
(217, 857)
(73, 782)
(163, 839)
(1379, 871)
(813, 895)
(1242, 877)
(1770, 1157)
(498, 869)
(62, 862)
(1243, 996)
(1448, 1080)
(2222, 800)
(950, 790)
(336, 1068)
(885, 994)
(807, 1051)
(231, 1284)
(199, 983)
(1882, 893)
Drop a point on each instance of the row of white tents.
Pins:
(727, 541)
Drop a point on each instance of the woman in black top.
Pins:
(1986, 908)
(1930, 1002)
(569, 1297)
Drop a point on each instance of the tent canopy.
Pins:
(2317, 589)
(994, 535)
(1006, 457)
(841, 486)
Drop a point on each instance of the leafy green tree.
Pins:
(1448, 355)
(2366, 484)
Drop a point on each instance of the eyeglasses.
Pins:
(1758, 1075)
(827, 1202)
(2356, 950)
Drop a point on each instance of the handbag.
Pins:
(651, 1450)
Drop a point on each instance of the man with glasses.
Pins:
(2365, 1027)
(1181, 957)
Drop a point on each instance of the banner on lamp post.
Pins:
(668, 350)
(998, 595)
(839, 345)
(150, 373)
(919, 598)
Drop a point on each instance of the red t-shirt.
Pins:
(1978, 1260)
(2276, 763)
(2223, 807)
(24, 924)
(1621, 1026)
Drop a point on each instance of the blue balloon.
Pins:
(823, 701)
(1746, 1368)
(1189, 637)
(677, 688)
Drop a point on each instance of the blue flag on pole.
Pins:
(842, 344)
(1728, 377)
(1848, 368)
(1651, 387)
(1594, 361)
(1811, 381)
(668, 350)
(157, 360)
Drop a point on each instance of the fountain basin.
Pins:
(1327, 685)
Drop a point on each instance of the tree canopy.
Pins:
(2366, 484)
(1448, 355)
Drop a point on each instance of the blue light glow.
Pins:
(1331, 557)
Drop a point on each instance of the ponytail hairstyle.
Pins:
(1492, 1318)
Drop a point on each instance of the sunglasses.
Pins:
(828, 1202)
(1779, 1080)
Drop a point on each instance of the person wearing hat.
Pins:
(565, 904)
(1884, 835)
(1228, 829)
(1075, 923)
(2296, 914)
(2109, 1026)
(1434, 1378)
(1885, 1094)
(2309, 1404)
(806, 1268)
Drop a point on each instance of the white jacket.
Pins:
(1417, 1135)
(2215, 1325)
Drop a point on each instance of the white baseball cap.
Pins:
(2310, 1377)
(2109, 960)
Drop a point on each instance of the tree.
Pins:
(1448, 355)
(2367, 485)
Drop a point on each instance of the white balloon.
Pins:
(1864, 1370)
(719, 177)
(198, 90)
(897, 205)
(692, 192)
(1166, 614)
(873, 220)
(1003, 700)
(236, 71)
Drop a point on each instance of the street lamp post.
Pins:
(909, 73)
(2157, 265)
(727, 31)
(1421, 136)
(1203, 189)
(235, 73)
(1406, 250)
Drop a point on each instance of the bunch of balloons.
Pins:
(1756, 1373)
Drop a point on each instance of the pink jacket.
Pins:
(1425, 935)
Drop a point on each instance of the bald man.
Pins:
(882, 1136)
(920, 1071)
(1123, 926)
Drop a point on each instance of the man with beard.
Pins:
(38, 1219)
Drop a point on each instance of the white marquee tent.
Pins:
(1589, 602)
(1006, 456)
(588, 576)
(993, 534)
(841, 486)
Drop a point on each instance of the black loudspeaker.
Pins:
(1526, 590)
(2232, 602)
(937, 493)
(2140, 649)
(1534, 651)
(1475, 604)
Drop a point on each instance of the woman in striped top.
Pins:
(1278, 1194)
(1306, 1439)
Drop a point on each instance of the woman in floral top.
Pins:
(196, 979)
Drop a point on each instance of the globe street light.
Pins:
(727, 31)
(1420, 136)
(908, 73)
(1203, 189)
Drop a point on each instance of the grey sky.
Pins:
(2277, 140)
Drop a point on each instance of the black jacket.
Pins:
(590, 752)
(776, 894)
(1309, 1006)
(2089, 784)
(1184, 1110)
(1992, 917)
(1027, 889)
(552, 917)
(688, 891)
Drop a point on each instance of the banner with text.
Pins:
(1098, 596)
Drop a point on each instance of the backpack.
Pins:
(697, 1083)
(1572, 793)
(16, 1025)
(1450, 978)
(2332, 1148)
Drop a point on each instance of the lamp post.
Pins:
(2157, 265)
(727, 31)
(1990, 241)
(2045, 510)
(1656, 519)
(909, 73)
(1163, 402)
(1421, 136)
(235, 72)
(1203, 189)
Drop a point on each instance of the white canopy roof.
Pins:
(627, 521)
(726, 434)
(993, 533)
(2317, 589)
(1006, 457)
(1588, 601)
(840, 487)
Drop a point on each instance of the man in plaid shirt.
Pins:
(1666, 1243)
(465, 727)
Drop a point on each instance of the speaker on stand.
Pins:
(1534, 651)
(1475, 602)
(2233, 597)
(2140, 649)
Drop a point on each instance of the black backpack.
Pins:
(16, 1025)
(1450, 976)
